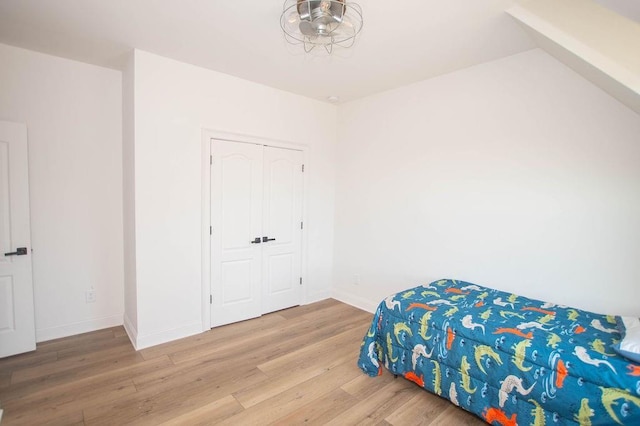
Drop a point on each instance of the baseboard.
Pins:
(353, 300)
(44, 334)
(131, 331)
(316, 297)
(145, 341)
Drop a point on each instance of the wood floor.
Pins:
(296, 366)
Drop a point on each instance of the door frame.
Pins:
(207, 136)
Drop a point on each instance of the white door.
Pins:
(236, 220)
(256, 237)
(282, 227)
(17, 325)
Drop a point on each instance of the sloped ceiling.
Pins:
(402, 41)
(600, 44)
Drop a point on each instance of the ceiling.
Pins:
(402, 42)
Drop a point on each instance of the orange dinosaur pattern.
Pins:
(495, 415)
(515, 331)
(634, 370)
(422, 306)
(418, 380)
(456, 291)
(542, 311)
(450, 336)
(561, 374)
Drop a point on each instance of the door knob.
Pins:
(256, 240)
(20, 251)
(265, 239)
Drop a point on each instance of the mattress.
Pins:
(509, 359)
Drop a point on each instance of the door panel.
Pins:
(7, 313)
(17, 325)
(282, 221)
(236, 215)
(237, 277)
(281, 274)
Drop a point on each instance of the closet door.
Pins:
(282, 229)
(236, 220)
(256, 236)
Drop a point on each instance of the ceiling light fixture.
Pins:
(324, 23)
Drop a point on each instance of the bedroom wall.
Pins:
(516, 174)
(73, 115)
(174, 101)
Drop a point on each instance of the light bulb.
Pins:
(293, 17)
(325, 5)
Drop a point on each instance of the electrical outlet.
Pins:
(356, 279)
(90, 296)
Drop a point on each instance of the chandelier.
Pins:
(324, 23)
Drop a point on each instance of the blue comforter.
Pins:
(508, 359)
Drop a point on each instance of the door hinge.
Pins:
(303, 168)
(211, 159)
(210, 299)
(300, 280)
(211, 230)
(301, 225)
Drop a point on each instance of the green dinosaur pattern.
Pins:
(465, 382)
(437, 378)
(400, 327)
(572, 315)
(486, 314)
(509, 314)
(408, 294)
(546, 319)
(613, 397)
(482, 351)
(584, 415)
(553, 340)
(598, 346)
(424, 326)
(519, 354)
(390, 349)
(451, 312)
(537, 413)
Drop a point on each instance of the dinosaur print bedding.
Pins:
(506, 358)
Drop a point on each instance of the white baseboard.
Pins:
(317, 297)
(357, 301)
(131, 331)
(44, 334)
(142, 342)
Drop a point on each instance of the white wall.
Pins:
(73, 115)
(516, 174)
(174, 102)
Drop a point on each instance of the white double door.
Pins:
(256, 235)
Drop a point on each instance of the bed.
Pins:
(508, 359)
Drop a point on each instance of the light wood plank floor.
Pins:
(296, 366)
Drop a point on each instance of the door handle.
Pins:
(265, 239)
(256, 240)
(20, 251)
